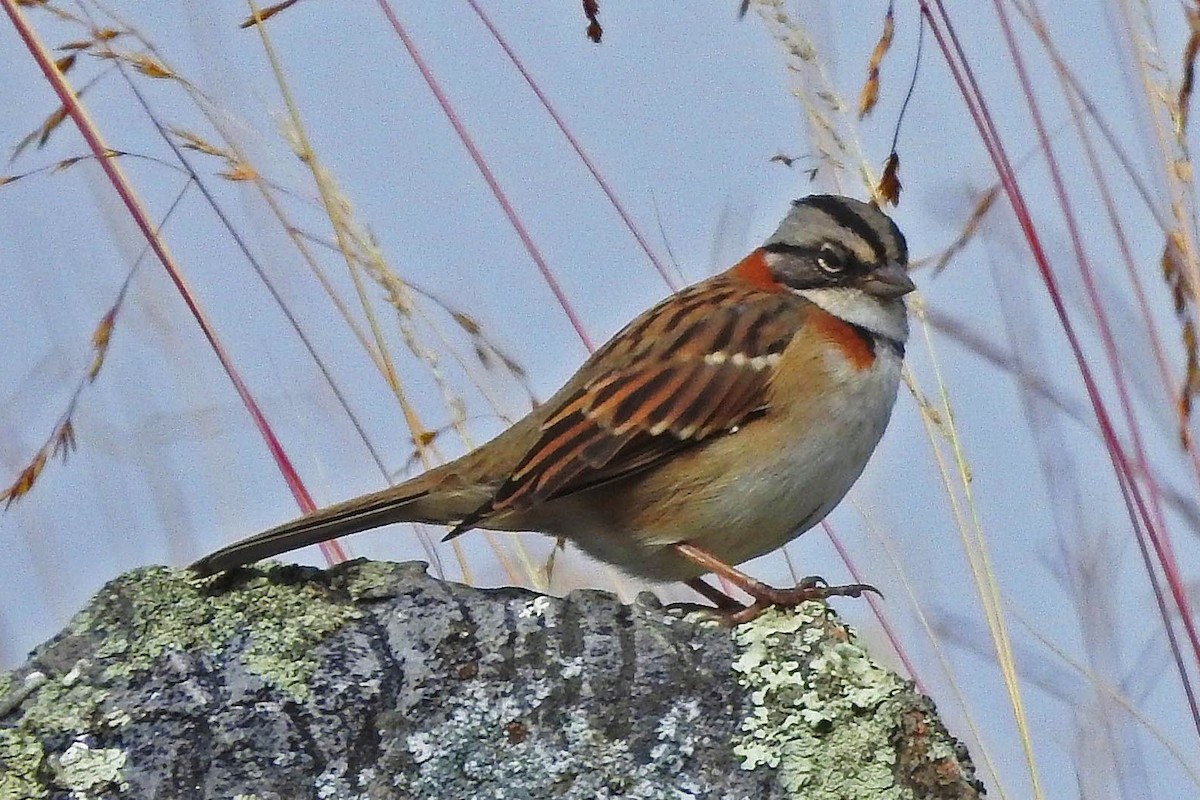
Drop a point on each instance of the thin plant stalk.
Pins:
(137, 212)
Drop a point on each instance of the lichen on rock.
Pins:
(374, 680)
(826, 716)
(152, 611)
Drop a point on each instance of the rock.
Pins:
(373, 680)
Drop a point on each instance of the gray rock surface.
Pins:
(373, 680)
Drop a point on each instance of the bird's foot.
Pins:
(811, 588)
(765, 596)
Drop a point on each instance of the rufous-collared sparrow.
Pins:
(714, 428)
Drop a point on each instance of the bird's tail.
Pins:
(394, 504)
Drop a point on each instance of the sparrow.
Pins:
(716, 427)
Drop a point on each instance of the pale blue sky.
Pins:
(682, 108)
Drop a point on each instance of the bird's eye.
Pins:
(830, 260)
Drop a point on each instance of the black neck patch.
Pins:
(877, 340)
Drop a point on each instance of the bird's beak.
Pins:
(889, 282)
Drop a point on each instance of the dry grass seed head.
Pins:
(238, 171)
(869, 95)
(1176, 277)
(1190, 52)
(264, 14)
(968, 231)
(889, 186)
(42, 134)
(591, 10)
(192, 141)
(64, 439)
(25, 481)
(101, 338)
(148, 65)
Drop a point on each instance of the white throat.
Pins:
(885, 317)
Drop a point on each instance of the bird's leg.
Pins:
(714, 595)
(765, 596)
(725, 605)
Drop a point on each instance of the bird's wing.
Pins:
(695, 366)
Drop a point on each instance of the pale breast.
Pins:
(749, 492)
(807, 464)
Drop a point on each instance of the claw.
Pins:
(814, 587)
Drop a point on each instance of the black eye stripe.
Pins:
(901, 243)
(848, 218)
(792, 249)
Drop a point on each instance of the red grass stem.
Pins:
(125, 192)
(1139, 514)
(1153, 515)
(486, 171)
(670, 279)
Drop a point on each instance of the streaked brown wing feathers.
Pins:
(706, 373)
